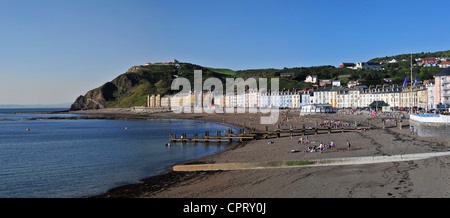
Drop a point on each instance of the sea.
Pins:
(78, 158)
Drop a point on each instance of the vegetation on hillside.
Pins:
(414, 56)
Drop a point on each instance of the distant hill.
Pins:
(414, 56)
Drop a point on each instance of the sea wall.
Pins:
(430, 118)
(427, 129)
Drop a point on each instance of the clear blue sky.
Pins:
(52, 51)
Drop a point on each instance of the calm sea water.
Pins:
(81, 158)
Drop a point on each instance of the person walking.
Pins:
(348, 145)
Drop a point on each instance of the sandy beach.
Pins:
(426, 178)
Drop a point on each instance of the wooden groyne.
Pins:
(229, 137)
(290, 132)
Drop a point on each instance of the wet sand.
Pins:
(410, 179)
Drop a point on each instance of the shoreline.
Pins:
(397, 179)
(162, 180)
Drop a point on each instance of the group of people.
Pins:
(321, 146)
(332, 123)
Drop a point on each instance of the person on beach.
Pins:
(300, 140)
(332, 144)
(308, 149)
(348, 144)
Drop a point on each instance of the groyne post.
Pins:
(278, 130)
(399, 123)
(291, 133)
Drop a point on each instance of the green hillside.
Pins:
(414, 56)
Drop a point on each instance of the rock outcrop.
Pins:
(121, 86)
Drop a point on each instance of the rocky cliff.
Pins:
(126, 90)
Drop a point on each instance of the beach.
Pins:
(425, 178)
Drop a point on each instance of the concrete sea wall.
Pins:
(430, 129)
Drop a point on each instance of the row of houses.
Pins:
(427, 96)
(336, 97)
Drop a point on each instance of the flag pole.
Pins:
(410, 94)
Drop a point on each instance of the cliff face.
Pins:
(118, 91)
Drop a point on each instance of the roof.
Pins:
(347, 65)
(323, 89)
(378, 104)
(337, 89)
(445, 72)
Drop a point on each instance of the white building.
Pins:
(321, 95)
(336, 83)
(311, 79)
(316, 108)
(444, 64)
(430, 96)
(306, 98)
(392, 95)
(275, 99)
(296, 99)
(368, 65)
(253, 98)
(264, 101)
(393, 61)
(240, 99)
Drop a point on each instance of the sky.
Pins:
(52, 51)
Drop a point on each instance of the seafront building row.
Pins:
(336, 97)
(432, 95)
